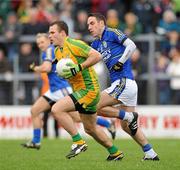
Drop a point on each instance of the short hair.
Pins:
(39, 35)
(62, 26)
(98, 16)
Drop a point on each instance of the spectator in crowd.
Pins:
(103, 6)
(5, 85)
(12, 32)
(33, 26)
(131, 27)
(168, 23)
(65, 15)
(173, 69)
(26, 57)
(67, 5)
(45, 9)
(138, 68)
(23, 11)
(144, 11)
(136, 63)
(81, 5)
(99, 6)
(5, 8)
(170, 28)
(113, 18)
(54, 16)
(47, 5)
(163, 90)
(80, 24)
(159, 6)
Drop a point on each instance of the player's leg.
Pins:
(38, 107)
(45, 125)
(107, 123)
(90, 126)
(113, 96)
(100, 121)
(139, 136)
(105, 109)
(86, 103)
(60, 111)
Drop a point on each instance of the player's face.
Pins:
(94, 26)
(42, 43)
(54, 35)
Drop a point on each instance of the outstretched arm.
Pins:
(45, 67)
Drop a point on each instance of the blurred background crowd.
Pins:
(150, 23)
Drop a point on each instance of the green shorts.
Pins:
(86, 101)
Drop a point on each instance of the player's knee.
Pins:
(99, 112)
(54, 111)
(33, 111)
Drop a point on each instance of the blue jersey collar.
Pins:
(105, 28)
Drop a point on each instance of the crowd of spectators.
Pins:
(134, 17)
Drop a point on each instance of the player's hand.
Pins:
(118, 66)
(55, 61)
(32, 66)
(72, 70)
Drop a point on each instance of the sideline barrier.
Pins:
(155, 121)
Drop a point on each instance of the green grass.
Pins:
(52, 156)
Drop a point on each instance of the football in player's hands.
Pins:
(63, 65)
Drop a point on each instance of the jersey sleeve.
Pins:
(79, 48)
(49, 54)
(119, 36)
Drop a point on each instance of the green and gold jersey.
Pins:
(78, 51)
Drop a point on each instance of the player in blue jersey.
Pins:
(116, 49)
(59, 88)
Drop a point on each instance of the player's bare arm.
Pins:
(93, 58)
(44, 67)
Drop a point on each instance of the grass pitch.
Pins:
(52, 156)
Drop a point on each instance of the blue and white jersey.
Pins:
(55, 82)
(110, 45)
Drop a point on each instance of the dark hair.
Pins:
(98, 16)
(62, 26)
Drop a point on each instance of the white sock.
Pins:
(128, 116)
(150, 153)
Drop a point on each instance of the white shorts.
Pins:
(124, 90)
(55, 96)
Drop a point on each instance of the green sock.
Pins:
(76, 137)
(113, 149)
